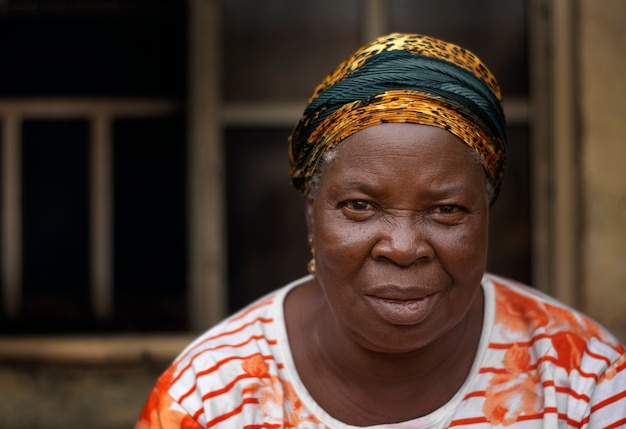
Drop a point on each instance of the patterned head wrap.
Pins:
(403, 78)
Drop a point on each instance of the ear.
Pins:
(308, 213)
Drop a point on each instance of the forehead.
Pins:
(409, 142)
(402, 155)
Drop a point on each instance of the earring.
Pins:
(311, 265)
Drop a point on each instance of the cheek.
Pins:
(340, 246)
(462, 251)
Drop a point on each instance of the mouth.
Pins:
(402, 310)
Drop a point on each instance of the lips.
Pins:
(399, 309)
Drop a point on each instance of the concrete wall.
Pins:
(76, 382)
(602, 41)
(74, 396)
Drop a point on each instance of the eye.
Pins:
(446, 209)
(357, 209)
(448, 214)
(357, 205)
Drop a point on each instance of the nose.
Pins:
(403, 242)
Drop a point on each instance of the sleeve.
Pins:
(607, 405)
(162, 412)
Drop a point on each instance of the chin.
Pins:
(401, 341)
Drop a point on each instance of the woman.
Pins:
(400, 154)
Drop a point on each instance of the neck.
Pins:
(362, 387)
(345, 356)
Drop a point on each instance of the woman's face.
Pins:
(399, 229)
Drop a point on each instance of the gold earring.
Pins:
(311, 265)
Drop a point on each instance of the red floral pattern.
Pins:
(518, 391)
(278, 400)
(158, 413)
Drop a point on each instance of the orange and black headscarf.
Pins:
(403, 78)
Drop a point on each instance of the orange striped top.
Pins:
(539, 364)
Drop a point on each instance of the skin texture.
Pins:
(388, 329)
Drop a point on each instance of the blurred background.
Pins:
(144, 187)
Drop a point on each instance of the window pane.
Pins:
(495, 30)
(2, 209)
(509, 226)
(149, 234)
(266, 227)
(55, 225)
(281, 49)
(130, 49)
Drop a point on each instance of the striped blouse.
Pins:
(539, 365)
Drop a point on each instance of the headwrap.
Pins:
(403, 78)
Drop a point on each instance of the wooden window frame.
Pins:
(100, 113)
(549, 112)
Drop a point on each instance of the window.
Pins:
(93, 178)
(141, 194)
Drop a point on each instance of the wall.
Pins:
(602, 41)
(76, 382)
(73, 396)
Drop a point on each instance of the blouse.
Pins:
(539, 364)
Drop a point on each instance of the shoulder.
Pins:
(212, 375)
(208, 367)
(550, 330)
(520, 308)
(223, 347)
(546, 359)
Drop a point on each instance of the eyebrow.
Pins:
(439, 192)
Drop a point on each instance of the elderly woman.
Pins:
(399, 154)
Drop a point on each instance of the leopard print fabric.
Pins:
(418, 45)
(403, 78)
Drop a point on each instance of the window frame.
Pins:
(548, 111)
